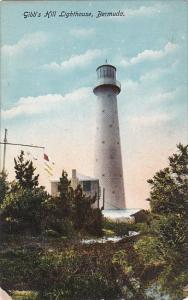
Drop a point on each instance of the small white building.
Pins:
(89, 185)
(128, 215)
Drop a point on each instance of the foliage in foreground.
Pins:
(3, 186)
(169, 225)
(28, 208)
(108, 271)
(169, 187)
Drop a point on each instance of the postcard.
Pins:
(93, 104)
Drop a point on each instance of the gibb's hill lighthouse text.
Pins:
(72, 14)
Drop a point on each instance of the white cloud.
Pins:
(28, 41)
(149, 99)
(150, 120)
(163, 96)
(146, 98)
(129, 86)
(149, 84)
(154, 75)
(44, 103)
(150, 55)
(75, 61)
(142, 11)
(82, 32)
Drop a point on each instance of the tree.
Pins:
(58, 210)
(169, 207)
(23, 205)
(23, 210)
(85, 216)
(65, 195)
(169, 187)
(25, 172)
(4, 186)
(82, 208)
(72, 210)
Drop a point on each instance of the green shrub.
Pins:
(24, 295)
(51, 233)
(148, 249)
(118, 228)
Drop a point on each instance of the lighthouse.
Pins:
(108, 160)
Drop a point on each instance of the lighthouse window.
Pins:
(99, 71)
(110, 125)
(103, 110)
(103, 175)
(113, 192)
(104, 72)
(113, 73)
(108, 72)
(87, 186)
(103, 142)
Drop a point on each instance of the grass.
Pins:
(24, 295)
(55, 266)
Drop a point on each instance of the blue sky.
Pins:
(48, 71)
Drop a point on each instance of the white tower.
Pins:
(108, 161)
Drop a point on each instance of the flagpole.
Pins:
(4, 150)
(24, 145)
(5, 143)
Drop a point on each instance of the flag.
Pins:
(46, 157)
(48, 165)
(48, 171)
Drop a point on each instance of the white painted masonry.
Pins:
(108, 160)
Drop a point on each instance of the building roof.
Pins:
(54, 180)
(81, 177)
(120, 213)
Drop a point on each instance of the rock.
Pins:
(4, 295)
